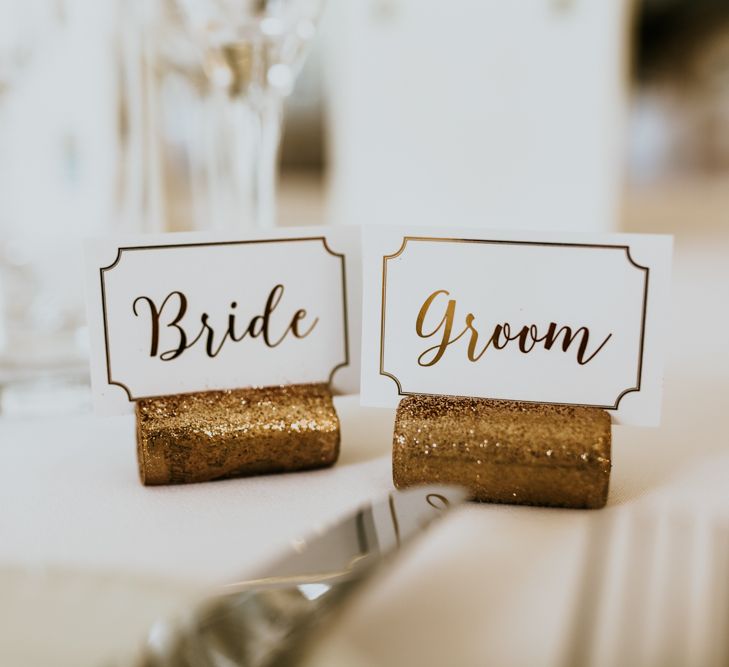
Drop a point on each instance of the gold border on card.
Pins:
(624, 248)
(122, 250)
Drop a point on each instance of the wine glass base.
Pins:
(45, 392)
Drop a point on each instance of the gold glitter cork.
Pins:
(236, 433)
(504, 451)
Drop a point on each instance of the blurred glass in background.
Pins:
(129, 116)
(203, 83)
(56, 175)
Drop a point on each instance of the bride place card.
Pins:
(546, 318)
(181, 313)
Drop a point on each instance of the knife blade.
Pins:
(267, 620)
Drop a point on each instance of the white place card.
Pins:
(549, 318)
(179, 313)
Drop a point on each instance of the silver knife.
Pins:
(270, 619)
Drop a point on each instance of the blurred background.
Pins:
(123, 116)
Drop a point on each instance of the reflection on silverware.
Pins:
(268, 620)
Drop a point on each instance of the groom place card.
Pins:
(547, 318)
(180, 313)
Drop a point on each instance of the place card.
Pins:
(181, 313)
(569, 318)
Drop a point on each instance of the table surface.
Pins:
(89, 557)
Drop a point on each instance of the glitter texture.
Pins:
(504, 451)
(236, 433)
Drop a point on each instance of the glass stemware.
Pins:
(215, 75)
(34, 325)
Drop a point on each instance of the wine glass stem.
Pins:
(266, 165)
(242, 159)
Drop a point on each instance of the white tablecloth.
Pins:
(88, 556)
